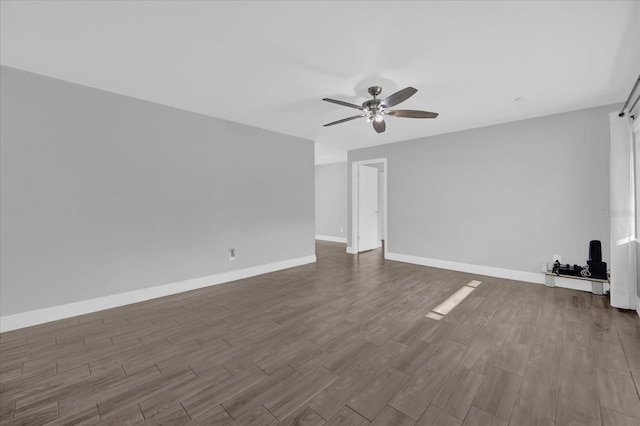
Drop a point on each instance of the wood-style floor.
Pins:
(341, 342)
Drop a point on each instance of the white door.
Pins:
(367, 208)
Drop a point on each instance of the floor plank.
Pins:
(346, 416)
(498, 393)
(378, 393)
(613, 418)
(478, 417)
(618, 392)
(391, 416)
(538, 393)
(459, 391)
(433, 416)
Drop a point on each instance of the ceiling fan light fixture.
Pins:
(375, 109)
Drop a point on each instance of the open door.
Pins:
(367, 208)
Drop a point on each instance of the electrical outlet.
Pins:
(557, 257)
(341, 229)
(232, 254)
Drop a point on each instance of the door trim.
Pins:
(355, 182)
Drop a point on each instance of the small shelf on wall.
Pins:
(592, 285)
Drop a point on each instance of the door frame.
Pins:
(355, 184)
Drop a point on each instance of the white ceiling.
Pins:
(269, 64)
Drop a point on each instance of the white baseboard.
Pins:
(351, 250)
(332, 239)
(491, 271)
(54, 313)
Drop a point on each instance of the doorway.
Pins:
(369, 205)
(368, 224)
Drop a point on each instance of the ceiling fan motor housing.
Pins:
(371, 105)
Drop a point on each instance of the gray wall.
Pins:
(331, 200)
(103, 194)
(507, 196)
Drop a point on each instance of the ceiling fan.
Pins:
(375, 109)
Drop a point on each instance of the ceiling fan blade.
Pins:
(379, 125)
(410, 113)
(399, 96)
(345, 119)
(347, 104)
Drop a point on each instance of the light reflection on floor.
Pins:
(452, 301)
